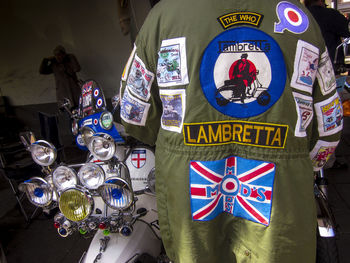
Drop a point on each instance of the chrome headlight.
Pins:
(38, 191)
(106, 120)
(64, 177)
(43, 153)
(91, 175)
(116, 193)
(102, 146)
(76, 204)
(75, 127)
(86, 134)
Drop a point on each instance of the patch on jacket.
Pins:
(242, 72)
(240, 18)
(132, 110)
(235, 185)
(267, 135)
(321, 153)
(174, 105)
(325, 74)
(305, 66)
(291, 18)
(329, 115)
(172, 63)
(304, 106)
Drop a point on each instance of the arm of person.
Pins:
(328, 115)
(45, 66)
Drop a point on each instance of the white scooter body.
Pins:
(122, 249)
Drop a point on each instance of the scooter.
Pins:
(110, 196)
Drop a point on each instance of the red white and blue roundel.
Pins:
(242, 72)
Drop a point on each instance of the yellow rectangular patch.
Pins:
(240, 18)
(267, 135)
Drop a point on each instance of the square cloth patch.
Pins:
(238, 186)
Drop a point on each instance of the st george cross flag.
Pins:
(235, 185)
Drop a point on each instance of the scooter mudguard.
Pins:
(94, 122)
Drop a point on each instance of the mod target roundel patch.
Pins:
(242, 72)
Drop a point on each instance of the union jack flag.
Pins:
(235, 185)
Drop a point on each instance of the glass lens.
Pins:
(64, 177)
(75, 204)
(91, 175)
(43, 153)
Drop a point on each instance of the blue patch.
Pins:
(291, 18)
(238, 186)
(243, 73)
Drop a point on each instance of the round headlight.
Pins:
(76, 204)
(43, 153)
(86, 134)
(106, 120)
(64, 177)
(116, 193)
(38, 191)
(91, 175)
(102, 146)
(75, 127)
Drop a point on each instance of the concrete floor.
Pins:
(39, 241)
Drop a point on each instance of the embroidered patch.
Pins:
(321, 152)
(305, 66)
(128, 63)
(329, 115)
(174, 104)
(172, 63)
(242, 72)
(140, 80)
(325, 74)
(241, 132)
(291, 18)
(240, 18)
(238, 186)
(132, 110)
(304, 105)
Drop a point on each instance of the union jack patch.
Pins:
(235, 185)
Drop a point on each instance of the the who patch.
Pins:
(291, 18)
(240, 18)
(140, 79)
(138, 158)
(238, 186)
(132, 110)
(321, 152)
(172, 63)
(174, 104)
(304, 105)
(305, 66)
(242, 72)
(325, 74)
(329, 115)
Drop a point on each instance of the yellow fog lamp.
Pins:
(102, 146)
(76, 204)
(116, 193)
(43, 152)
(38, 191)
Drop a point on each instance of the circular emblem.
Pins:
(242, 72)
(230, 185)
(96, 92)
(291, 17)
(95, 121)
(99, 103)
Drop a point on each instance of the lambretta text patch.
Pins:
(241, 132)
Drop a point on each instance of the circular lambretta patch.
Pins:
(242, 72)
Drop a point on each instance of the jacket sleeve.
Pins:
(45, 67)
(140, 102)
(328, 114)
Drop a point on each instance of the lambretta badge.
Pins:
(240, 18)
(242, 72)
(258, 134)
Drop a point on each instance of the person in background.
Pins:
(234, 182)
(333, 26)
(64, 67)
